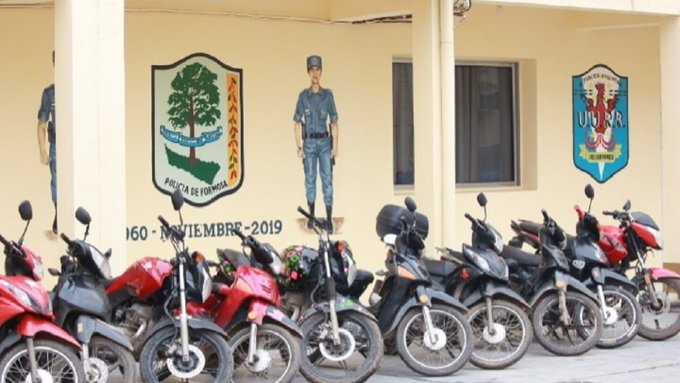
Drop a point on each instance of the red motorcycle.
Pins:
(149, 303)
(34, 349)
(632, 240)
(265, 342)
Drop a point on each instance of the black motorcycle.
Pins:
(81, 307)
(429, 327)
(566, 317)
(621, 311)
(479, 278)
(341, 339)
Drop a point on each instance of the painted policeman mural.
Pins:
(316, 137)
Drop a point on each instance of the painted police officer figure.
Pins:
(316, 137)
(47, 125)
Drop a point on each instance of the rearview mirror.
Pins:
(410, 204)
(177, 199)
(481, 199)
(26, 211)
(590, 192)
(83, 216)
(626, 206)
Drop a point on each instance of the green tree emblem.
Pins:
(193, 101)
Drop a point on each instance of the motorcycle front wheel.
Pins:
(210, 357)
(442, 352)
(575, 338)
(277, 357)
(354, 359)
(622, 319)
(55, 363)
(662, 321)
(507, 343)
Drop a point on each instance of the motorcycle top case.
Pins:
(389, 221)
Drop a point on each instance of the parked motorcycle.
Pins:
(566, 317)
(150, 304)
(479, 278)
(81, 308)
(33, 348)
(265, 342)
(429, 327)
(659, 289)
(616, 293)
(341, 339)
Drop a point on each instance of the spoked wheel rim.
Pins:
(583, 326)
(422, 352)
(53, 366)
(667, 314)
(274, 355)
(622, 316)
(356, 364)
(201, 348)
(505, 344)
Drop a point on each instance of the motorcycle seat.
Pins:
(530, 226)
(521, 257)
(439, 268)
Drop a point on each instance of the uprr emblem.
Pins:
(197, 128)
(600, 122)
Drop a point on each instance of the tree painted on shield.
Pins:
(194, 101)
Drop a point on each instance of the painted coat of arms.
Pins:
(197, 128)
(600, 126)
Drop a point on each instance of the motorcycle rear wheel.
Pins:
(53, 358)
(580, 336)
(664, 322)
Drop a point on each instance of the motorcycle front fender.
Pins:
(573, 284)
(341, 304)
(31, 326)
(193, 323)
(493, 289)
(611, 277)
(661, 273)
(267, 312)
(87, 326)
(389, 325)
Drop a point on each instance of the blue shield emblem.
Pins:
(197, 128)
(600, 127)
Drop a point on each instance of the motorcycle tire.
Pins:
(582, 310)
(14, 364)
(219, 364)
(279, 341)
(117, 358)
(517, 334)
(629, 315)
(411, 334)
(649, 328)
(368, 343)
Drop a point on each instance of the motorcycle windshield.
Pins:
(644, 219)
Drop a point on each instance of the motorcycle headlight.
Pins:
(479, 261)
(19, 293)
(38, 270)
(497, 240)
(206, 289)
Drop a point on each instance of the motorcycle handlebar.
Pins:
(3, 240)
(164, 222)
(238, 233)
(66, 239)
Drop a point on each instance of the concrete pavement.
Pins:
(639, 361)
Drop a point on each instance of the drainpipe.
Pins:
(448, 121)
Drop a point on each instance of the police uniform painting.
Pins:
(47, 125)
(316, 136)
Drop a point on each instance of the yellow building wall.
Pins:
(550, 45)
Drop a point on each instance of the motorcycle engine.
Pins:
(134, 321)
